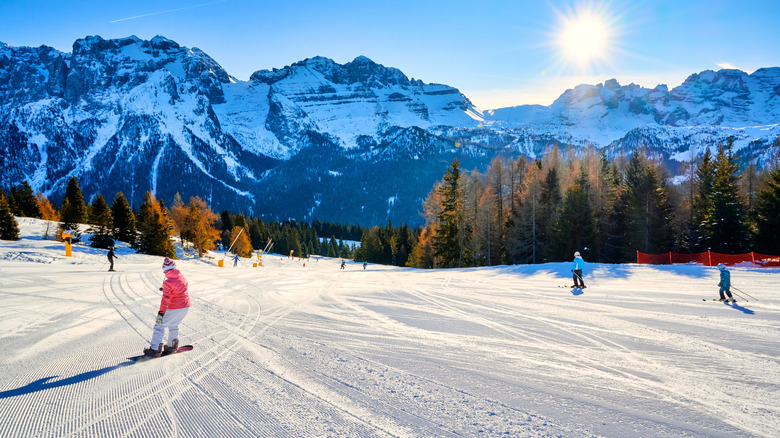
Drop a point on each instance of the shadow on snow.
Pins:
(46, 383)
(744, 310)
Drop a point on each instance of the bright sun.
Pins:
(584, 38)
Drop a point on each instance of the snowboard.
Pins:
(143, 358)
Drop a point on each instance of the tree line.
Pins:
(149, 229)
(545, 209)
(517, 211)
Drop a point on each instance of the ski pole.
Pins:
(581, 280)
(104, 265)
(735, 293)
(751, 296)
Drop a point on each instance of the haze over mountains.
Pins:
(358, 142)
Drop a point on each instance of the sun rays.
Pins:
(585, 38)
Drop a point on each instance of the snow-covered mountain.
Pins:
(358, 142)
(706, 109)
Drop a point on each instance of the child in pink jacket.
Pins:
(173, 308)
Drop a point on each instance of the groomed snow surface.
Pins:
(287, 350)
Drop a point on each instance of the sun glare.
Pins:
(585, 37)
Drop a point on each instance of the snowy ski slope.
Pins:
(287, 350)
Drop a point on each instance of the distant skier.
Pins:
(174, 305)
(343, 264)
(364, 265)
(111, 258)
(235, 261)
(576, 270)
(725, 284)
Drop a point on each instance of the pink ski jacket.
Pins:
(175, 294)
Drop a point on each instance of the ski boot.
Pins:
(149, 352)
(172, 349)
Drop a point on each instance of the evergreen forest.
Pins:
(517, 211)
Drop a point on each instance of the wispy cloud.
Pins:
(168, 11)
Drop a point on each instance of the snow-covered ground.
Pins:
(299, 351)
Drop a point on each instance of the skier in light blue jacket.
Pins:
(725, 284)
(576, 270)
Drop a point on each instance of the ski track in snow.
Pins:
(288, 350)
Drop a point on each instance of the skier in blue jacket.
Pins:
(576, 270)
(725, 284)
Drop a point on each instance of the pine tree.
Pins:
(256, 235)
(15, 210)
(702, 209)
(154, 229)
(227, 227)
(648, 213)
(729, 232)
(452, 233)
(9, 230)
(25, 200)
(549, 202)
(767, 238)
(124, 220)
(101, 224)
(73, 211)
(573, 229)
(609, 218)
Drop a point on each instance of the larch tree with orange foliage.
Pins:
(200, 225)
(242, 246)
(48, 214)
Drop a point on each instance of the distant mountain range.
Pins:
(352, 143)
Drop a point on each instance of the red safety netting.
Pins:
(709, 258)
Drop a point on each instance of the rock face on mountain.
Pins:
(358, 142)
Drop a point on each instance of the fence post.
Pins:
(709, 258)
(637, 257)
(670, 257)
(753, 257)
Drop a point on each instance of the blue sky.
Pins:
(498, 53)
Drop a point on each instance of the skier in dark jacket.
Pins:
(725, 284)
(111, 258)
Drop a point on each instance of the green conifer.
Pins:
(25, 200)
(101, 224)
(73, 211)
(9, 230)
(451, 240)
(767, 239)
(728, 232)
(124, 219)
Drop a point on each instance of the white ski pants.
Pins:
(171, 321)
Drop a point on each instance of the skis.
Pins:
(143, 358)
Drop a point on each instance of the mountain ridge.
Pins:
(308, 140)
